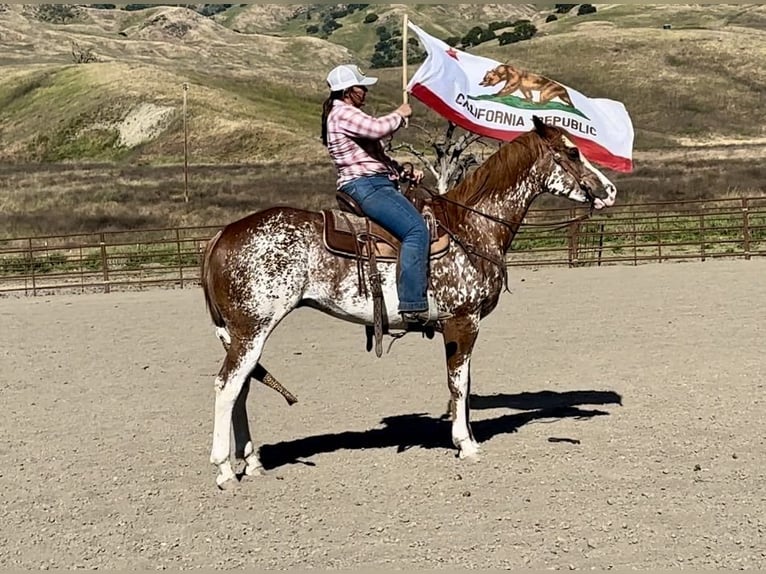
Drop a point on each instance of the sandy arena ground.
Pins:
(653, 376)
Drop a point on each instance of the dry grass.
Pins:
(50, 199)
(53, 199)
(674, 83)
(695, 94)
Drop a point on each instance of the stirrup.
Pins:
(429, 316)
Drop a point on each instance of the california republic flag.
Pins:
(498, 100)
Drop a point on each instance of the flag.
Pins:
(498, 100)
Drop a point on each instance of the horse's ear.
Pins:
(540, 126)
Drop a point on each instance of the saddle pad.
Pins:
(342, 231)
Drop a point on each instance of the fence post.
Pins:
(746, 227)
(572, 239)
(659, 238)
(104, 263)
(32, 268)
(635, 247)
(600, 243)
(702, 236)
(82, 272)
(180, 260)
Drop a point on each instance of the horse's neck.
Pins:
(505, 191)
(511, 206)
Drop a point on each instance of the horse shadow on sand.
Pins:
(425, 431)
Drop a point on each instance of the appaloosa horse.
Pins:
(259, 268)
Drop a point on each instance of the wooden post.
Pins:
(82, 272)
(746, 227)
(635, 238)
(573, 237)
(104, 263)
(180, 259)
(186, 149)
(702, 236)
(600, 243)
(32, 267)
(659, 238)
(405, 95)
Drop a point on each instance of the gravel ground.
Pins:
(620, 410)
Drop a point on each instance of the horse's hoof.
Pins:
(254, 471)
(225, 484)
(469, 450)
(226, 479)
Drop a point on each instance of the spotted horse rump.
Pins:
(258, 269)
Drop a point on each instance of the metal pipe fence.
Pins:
(170, 257)
(649, 232)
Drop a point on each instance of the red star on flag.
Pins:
(452, 53)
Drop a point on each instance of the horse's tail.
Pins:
(206, 279)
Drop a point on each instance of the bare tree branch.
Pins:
(451, 162)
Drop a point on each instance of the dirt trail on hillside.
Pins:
(714, 150)
(620, 411)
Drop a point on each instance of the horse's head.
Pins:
(568, 173)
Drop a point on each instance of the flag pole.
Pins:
(405, 95)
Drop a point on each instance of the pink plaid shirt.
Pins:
(353, 140)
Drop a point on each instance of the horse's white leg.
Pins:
(241, 359)
(459, 337)
(243, 443)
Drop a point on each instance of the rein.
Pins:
(508, 223)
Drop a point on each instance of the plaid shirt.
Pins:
(353, 140)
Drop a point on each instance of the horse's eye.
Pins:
(573, 153)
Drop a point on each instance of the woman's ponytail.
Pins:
(326, 108)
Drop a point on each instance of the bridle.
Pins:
(512, 225)
(406, 176)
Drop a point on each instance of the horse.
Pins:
(256, 270)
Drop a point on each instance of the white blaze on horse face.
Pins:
(609, 187)
(561, 182)
(611, 190)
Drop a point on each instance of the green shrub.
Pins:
(498, 25)
(525, 30)
(330, 25)
(508, 38)
(56, 13)
(472, 37)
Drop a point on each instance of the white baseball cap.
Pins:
(345, 76)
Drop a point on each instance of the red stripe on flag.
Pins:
(592, 150)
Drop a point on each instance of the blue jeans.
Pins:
(383, 203)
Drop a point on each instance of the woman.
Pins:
(370, 177)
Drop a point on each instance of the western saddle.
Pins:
(348, 233)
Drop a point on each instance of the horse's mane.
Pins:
(500, 172)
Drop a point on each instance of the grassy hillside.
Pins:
(88, 145)
(677, 84)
